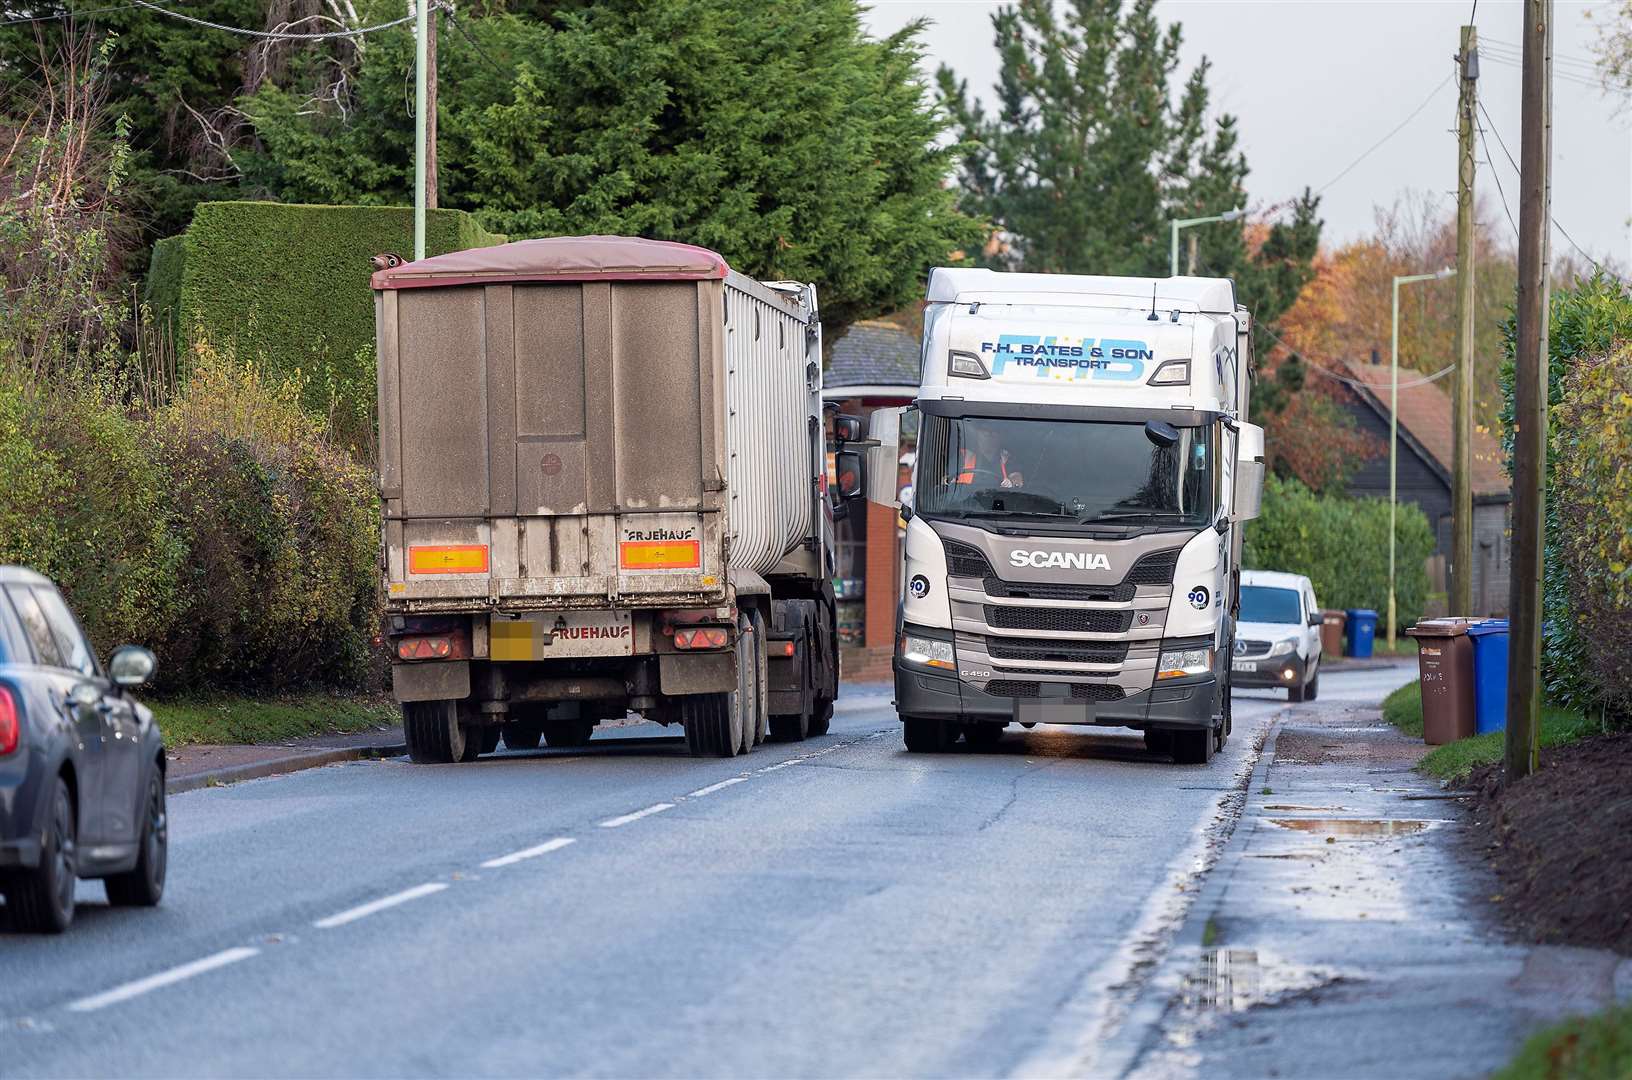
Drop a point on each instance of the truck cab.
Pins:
(1083, 471)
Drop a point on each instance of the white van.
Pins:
(1277, 637)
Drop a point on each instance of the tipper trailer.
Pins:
(1084, 470)
(604, 487)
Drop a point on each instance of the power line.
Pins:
(61, 15)
(1414, 113)
(1346, 380)
(1562, 232)
(269, 35)
(447, 9)
(1495, 175)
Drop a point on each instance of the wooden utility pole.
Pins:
(430, 105)
(1530, 394)
(1462, 459)
(1190, 265)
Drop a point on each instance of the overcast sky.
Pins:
(1315, 82)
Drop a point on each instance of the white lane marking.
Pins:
(363, 911)
(779, 765)
(712, 788)
(528, 853)
(162, 979)
(613, 823)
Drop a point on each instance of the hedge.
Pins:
(1341, 544)
(287, 285)
(223, 528)
(1590, 320)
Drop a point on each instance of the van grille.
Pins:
(1047, 651)
(1058, 620)
(1254, 648)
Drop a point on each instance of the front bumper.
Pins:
(1268, 671)
(1177, 703)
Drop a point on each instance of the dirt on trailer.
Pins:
(1560, 842)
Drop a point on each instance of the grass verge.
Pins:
(1454, 761)
(1583, 1048)
(229, 719)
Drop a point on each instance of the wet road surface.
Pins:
(830, 907)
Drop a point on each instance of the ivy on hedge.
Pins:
(1341, 544)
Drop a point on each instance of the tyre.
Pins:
(143, 884)
(792, 728)
(433, 732)
(1159, 741)
(982, 736)
(523, 734)
(927, 735)
(1294, 694)
(713, 724)
(762, 681)
(41, 899)
(1193, 747)
(1312, 688)
(568, 734)
(820, 718)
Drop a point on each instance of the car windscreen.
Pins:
(1084, 471)
(1266, 604)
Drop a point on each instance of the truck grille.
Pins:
(1154, 569)
(1034, 590)
(965, 561)
(1049, 651)
(1015, 688)
(1058, 620)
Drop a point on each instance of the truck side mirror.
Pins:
(884, 455)
(846, 429)
(847, 464)
(1249, 471)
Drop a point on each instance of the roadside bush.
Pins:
(1592, 491)
(1342, 545)
(1591, 319)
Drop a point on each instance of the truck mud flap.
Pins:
(697, 673)
(434, 681)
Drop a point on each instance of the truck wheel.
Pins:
(820, 718)
(927, 735)
(762, 702)
(41, 899)
(791, 728)
(982, 736)
(433, 732)
(568, 734)
(522, 734)
(1193, 747)
(713, 724)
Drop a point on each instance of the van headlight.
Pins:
(1281, 648)
(928, 652)
(1177, 663)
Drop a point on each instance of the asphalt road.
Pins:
(831, 907)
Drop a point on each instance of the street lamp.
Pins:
(1394, 428)
(1185, 223)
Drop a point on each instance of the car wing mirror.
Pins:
(131, 666)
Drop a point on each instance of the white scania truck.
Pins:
(1084, 470)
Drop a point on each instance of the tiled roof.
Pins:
(873, 353)
(1425, 415)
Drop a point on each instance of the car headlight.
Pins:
(927, 652)
(1181, 662)
(1281, 648)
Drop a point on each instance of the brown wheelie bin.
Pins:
(1331, 632)
(1445, 658)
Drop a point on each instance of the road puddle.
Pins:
(1229, 981)
(1353, 828)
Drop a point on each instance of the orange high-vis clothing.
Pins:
(970, 463)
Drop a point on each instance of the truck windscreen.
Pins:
(1086, 471)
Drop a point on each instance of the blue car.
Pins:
(81, 764)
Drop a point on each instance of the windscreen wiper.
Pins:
(1133, 515)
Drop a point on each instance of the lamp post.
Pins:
(1394, 429)
(1185, 223)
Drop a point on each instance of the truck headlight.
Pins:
(1181, 662)
(927, 652)
(1281, 648)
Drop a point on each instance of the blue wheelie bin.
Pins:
(1362, 628)
(1489, 675)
